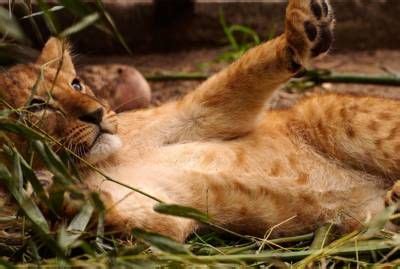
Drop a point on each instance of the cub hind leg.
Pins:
(393, 198)
(360, 132)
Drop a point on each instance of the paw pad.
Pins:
(325, 8)
(311, 30)
(309, 27)
(316, 9)
(325, 41)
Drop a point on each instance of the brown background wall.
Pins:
(361, 24)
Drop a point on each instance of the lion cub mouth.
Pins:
(103, 147)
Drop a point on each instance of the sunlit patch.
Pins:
(105, 145)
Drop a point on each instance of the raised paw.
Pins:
(309, 28)
(393, 198)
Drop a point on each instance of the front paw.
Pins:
(309, 28)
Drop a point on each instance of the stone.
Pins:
(122, 86)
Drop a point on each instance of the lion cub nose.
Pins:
(94, 117)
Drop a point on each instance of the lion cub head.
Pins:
(54, 100)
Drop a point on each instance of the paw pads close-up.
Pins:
(311, 30)
(320, 10)
(316, 9)
(325, 8)
(324, 43)
(316, 37)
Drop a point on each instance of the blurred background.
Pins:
(172, 25)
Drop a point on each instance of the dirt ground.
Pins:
(374, 62)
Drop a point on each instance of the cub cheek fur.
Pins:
(47, 121)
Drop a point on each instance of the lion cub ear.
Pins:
(56, 52)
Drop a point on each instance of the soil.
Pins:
(383, 62)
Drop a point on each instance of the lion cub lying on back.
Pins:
(328, 159)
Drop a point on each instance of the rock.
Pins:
(122, 86)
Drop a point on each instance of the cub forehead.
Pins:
(19, 81)
(22, 82)
(16, 84)
(26, 76)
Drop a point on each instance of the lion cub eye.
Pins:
(76, 84)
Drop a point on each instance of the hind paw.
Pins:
(309, 28)
(393, 198)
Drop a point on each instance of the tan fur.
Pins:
(330, 158)
(49, 79)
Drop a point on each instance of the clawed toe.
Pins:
(393, 198)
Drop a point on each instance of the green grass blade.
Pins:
(269, 256)
(27, 9)
(48, 17)
(27, 205)
(181, 211)
(19, 129)
(100, 208)
(6, 265)
(80, 221)
(114, 28)
(228, 33)
(30, 175)
(77, 7)
(378, 222)
(161, 242)
(245, 30)
(77, 227)
(17, 172)
(80, 9)
(82, 24)
(53, 163)
(40, 13)
(10, 27)
(322, 236)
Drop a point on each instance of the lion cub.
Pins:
(330, 158)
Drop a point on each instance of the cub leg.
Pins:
(229, 103)
(124, 209)
(361, 132)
